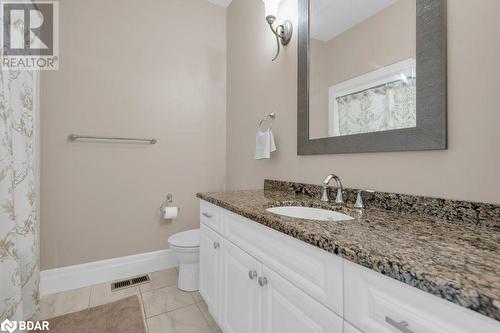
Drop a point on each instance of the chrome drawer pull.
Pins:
(252, 274)
(208, 215)
(262, 281)
(216, 245)
(402, 326)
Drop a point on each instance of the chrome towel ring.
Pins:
(268, 116)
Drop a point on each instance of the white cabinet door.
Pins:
(315, 271)
(210, 268)
(241, 302)
(288, 309)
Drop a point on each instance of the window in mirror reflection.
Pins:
(362, 66)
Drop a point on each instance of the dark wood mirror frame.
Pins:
(431, 103)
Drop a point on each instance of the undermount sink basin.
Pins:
(310, 213)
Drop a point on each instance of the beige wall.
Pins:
(383, 39)
(468, 170)
(368, 46)
(151, 68)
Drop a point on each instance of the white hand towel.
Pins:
(264, 144)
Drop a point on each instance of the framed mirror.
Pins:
(371, 76)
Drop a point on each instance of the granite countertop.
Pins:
(456, 261)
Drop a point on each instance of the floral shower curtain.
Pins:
(19, 226)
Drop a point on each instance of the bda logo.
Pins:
(8, 326)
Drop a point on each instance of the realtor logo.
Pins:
(30, 35)
(8, 326)
(32, 326)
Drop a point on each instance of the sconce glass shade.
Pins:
(271, 7)
(282, 32)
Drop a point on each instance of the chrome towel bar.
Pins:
(74, 137)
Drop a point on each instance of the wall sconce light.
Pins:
(284, 31)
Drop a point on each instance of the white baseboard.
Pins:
(77, 276)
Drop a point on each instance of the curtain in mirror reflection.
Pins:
(386, 107)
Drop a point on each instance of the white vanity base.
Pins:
(258, 280)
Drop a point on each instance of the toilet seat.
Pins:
(185, 239)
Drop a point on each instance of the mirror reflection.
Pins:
(362, 66)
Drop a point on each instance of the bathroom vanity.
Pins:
(383, 271)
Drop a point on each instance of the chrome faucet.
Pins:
(339, 200)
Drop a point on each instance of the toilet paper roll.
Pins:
(170, 212)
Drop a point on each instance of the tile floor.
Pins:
(166, 309)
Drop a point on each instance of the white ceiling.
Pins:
(330, 18)
(222, 3)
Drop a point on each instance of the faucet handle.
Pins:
(359, 199)
(339, 199)
(325, 197)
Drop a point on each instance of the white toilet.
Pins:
(186, 246)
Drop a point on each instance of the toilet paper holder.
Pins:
(167, 203)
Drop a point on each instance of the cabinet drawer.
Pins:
(378, 304)
(211, 216)
(316, 272)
